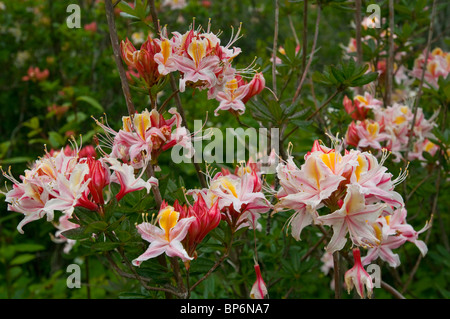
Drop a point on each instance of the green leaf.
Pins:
(96, 227)
(123, 236)
(28, 247)
(132, 295)
(32, 123)
(364, 79)
(91, 101)
(125, 7)
(15, 160)
(55, 139)
(76, 233)
(22, 259)
(105, 246)
(338, 74)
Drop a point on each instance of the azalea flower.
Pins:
(387, 242)
(35, 74)
(355, 218)
(237, 92)
(400, 227)
(145, 136)
(143, 60)
(167, 237)
(69, 190)
(239, 196)
(359, 107)
(438, 65)
(366, 134)
(231, 98)
(372, 179)
(124, 175)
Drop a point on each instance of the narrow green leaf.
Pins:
(22, 259)
(105, 246)
(91, 101)
(76, 233)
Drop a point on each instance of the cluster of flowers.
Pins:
(62, 180)
(400, 72)
(36, 75)
(202, 62)
(438, 65)
(236, 198)
(359, 194)
(389, 127)
(144, 136)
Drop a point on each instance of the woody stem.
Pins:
(116, 50)
(337, 275)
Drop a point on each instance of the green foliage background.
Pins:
(84, 78)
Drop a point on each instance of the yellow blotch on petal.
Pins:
(429, 146)
(361, 99)
(168, 218)
(373, 129)
(197, 50)
(227, 184)
(127, 127)
(330, 160)
(166, 49)
(378, 232)
(142, 123)
(438, 51)
(360, 167)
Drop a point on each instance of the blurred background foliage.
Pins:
(83, 81)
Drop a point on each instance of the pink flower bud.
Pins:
(352, 137)
(99, 176)
(127, 49)
(256, 85)
(354, 110)
(206, 219)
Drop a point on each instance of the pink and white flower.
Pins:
(259, 288)
(167, 237)
(354, 218)
(357, 277)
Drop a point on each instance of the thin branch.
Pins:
(305, 34)
(390, 59)
(178, 277)
(217, 264)
(433, 211)
(416, 188)
(311, 55)
(313, 248)
(156, 193)
(359, 57)
(391, 290)
(315, 112)
(422, 78)
(136, 276)
(274, 49)
(161, 108)
(313, 93)
(117, 56)
(337, 275)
